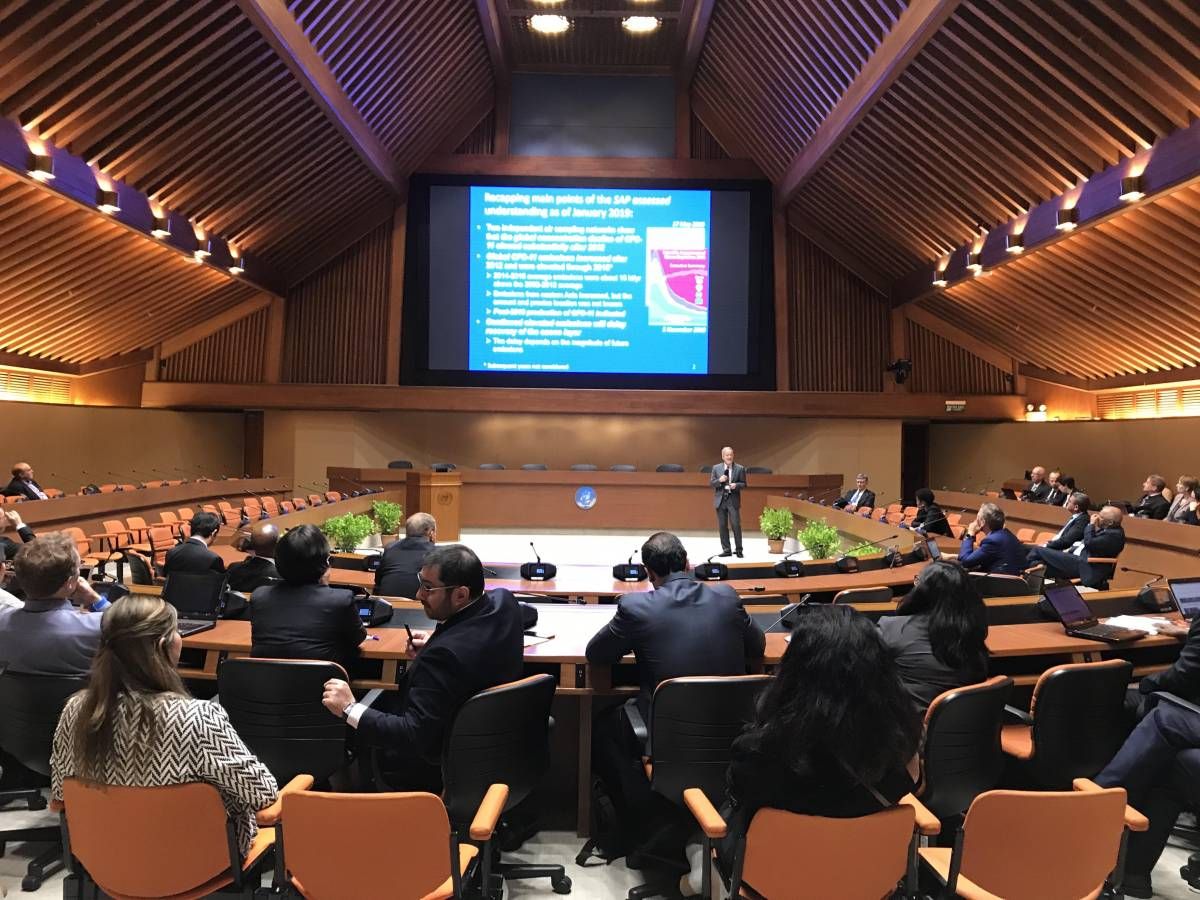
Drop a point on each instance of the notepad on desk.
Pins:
(1148, 624)
(532, 638)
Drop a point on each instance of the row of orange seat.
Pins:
(897, 514)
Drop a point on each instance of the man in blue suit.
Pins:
(999, 552)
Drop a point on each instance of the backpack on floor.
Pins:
(606, 842)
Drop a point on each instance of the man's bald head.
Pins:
(263, 538)
(1111, 516)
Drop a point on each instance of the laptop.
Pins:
(1186, 594)
(1078, 621)
(198, 598)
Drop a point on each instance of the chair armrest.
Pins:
(269, 815)
(927, 823)
(488, 814)
(1176, 700)
(1134, 820)
(57, 806)
(704, 812)
(1102, 560)
(634, 716)
(1019, 714)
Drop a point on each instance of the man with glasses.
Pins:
(477, 644)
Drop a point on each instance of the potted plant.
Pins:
(776, 523)
(864, 548)
(820, 539)
(388, 516)
(348, 532)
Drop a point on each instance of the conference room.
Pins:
(648, 448)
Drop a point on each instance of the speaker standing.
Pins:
(728, 480)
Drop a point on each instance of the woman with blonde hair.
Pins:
(136, 725)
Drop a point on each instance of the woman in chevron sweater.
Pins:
(136, 725)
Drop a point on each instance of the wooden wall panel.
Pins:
(839, 325)
(940, 366)
(336, 319)
(234, 355)
(481, 141)
(704, 144)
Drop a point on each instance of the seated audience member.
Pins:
(258, 568)
(1103, 537)
(1058, 494)
(836, 735)
(679, 627)
(193, 554)
(1182, 678)
(23, 485)
(135, 724)
(1039, 488)
(1183, 507)
(999, 552)
(1159, 767)
(12, 519)
(477, 644)
(938, 633)
(302, 617)
(397, 574)
(930, 518)
(54, 632)
(1153, 504)
(860, 497)
(1078, 505)
(1066, 484)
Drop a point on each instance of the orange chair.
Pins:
(231, 517)
(910, 513)
(174, 483)
(115, 537)
(176, 841)
(834, 851)
(138, 529)
(299, 503)
(320, 831)
(84, 547)
(224, 505)
(185, 513)
(1011, 844)
(286, 506)
(865, 511)
(1044, 536)
(107, 488)
(160, 540)
(52, 493)
(271, 506)
(954, 519)
(171, 520)
(314, 499)
(1025, 535)
(333, 496)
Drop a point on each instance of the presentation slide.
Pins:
(589, 280)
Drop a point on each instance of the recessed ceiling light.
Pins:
(107, 202)
(640, 24)
(40, 167)
(1067, 219)
(1131, 188)
(549, 24)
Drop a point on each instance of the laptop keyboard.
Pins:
(1105, 631)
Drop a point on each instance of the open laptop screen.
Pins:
(195, 595)
(1186, 592)
(1070, 606)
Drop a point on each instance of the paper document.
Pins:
(1148, 624)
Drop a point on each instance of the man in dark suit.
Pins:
(23, 485)
(12, 519)
(193, 554)
(1183, 677)
(999, 552)
(1038, 489)
(728, 480)
(303, 617)
(930, 518)
(402, 560)
(1103, 537)
(860, 497)
(477, 644)
(681, 627)
(1153, 504)
(1078, 505)
(1058, 493)
(258, 568)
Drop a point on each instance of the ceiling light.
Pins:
(1131, 188)
(939, 278)
(1028, 407)
(974, 263)
(236, 266)
(640, 24)
(40, 167)
(203, 248)
(106, 201)
(549, 24)
(1041, 407)
(161, 228)
(1068, 219)
(1014, 243)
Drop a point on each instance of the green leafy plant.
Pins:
(820, 539)
(387, 516)
(349, 531)
(864, 548)
(776, 523)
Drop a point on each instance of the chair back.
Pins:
(534, 467)
(1079, 720)
(881, 594)
(1025, 535)
(172, 839)
(275, 706)
(491, 467)
(325, 834)
(271, 506)
(583, 467)
(299, 503)
(231, 517)
(117, 534)
(759, 470)
(622, 467)
(668, 467)
(499, 736)
(30, 706)
(1014, 846)
(286, 506)
(835, 854)
(993, 584)
(694, 723)
(962, 756)
(333, 496)
(83, 546)
(162, 539)
(400, 464)
(314, 499)
(224, 505)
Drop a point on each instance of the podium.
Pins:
(436, 493)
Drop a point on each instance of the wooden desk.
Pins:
(854, 528)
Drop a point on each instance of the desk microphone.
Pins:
(262, 508)
(538, 571)
(788, 567)
(787, 611)
(846, 563)
(711, 571)
(1148, 597)
(629, 570)
(365, 489)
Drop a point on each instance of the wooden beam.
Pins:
(395, 296)
(916, 25)
(12, 360)
(1028, 371)
(273, 353)
(285, 36)
(115, 362)
(153, 364)
(683, 123)
(865, 272)
(783, 318)
(593, 167)
(493, 36)
(212, 325)
(1152, 379)
(692, 30)
(503, 119)
(463, 128)
(956, 335)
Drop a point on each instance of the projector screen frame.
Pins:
(760, 349)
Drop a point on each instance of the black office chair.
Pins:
(535, 467)
(878, 594)
(622, 467)
(996, 585)
(695, 721)
(443, 467)
(30, 706)
(962, 756)
(583, 467)
(759, 470)
(705, 468)
(500, 736)
(275, 706)
(491, 467)
(669, 467)
(400, 464)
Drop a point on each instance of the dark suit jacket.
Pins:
(1096, 543)
(932, 520)
(1055, 497)
(1036, 493)
(737, 477)
(305, 621)
(1072, 532)
(10, 547)
(1152, 506)
(867, 499)
(1183, 678)
(998, 553)
(683, 627)
(478, 648)
(192, 556)
(18, 487)
(397, 575)
(251, 573)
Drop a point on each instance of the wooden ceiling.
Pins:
(596, 41)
